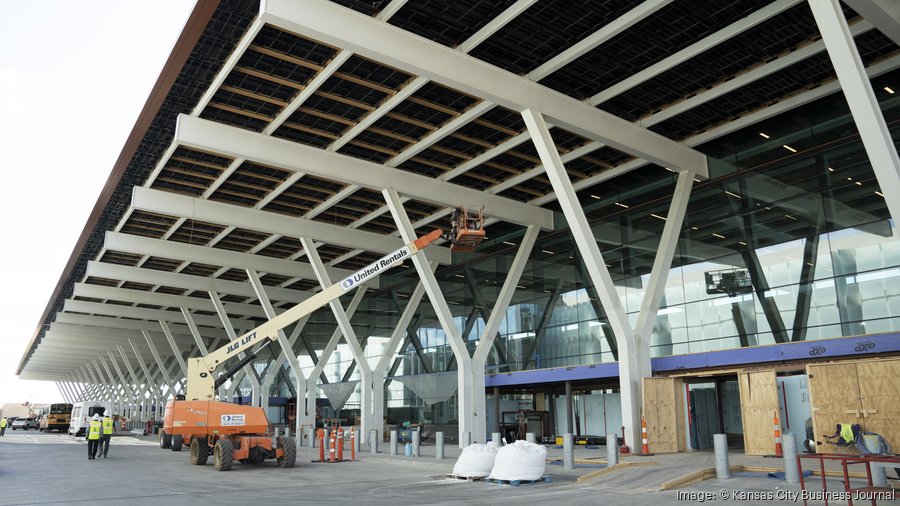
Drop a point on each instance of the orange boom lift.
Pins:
(232, 432)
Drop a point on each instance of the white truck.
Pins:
(82, 413)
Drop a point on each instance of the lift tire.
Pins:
(289, 447)
(199, 451)
(223, 455)
(165, 440)
(177, 442)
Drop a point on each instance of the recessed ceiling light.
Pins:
(742, 243)
(792, 150)
(735, 195)
(657, 216)
(879, 194)
(889, 90)
(595, 197)
(720, 236)
(849, 179)
(509, 243)
(621, 205)
(789, 216)
(830, 169)
(548, 252)
(858, 183)
(764, 136)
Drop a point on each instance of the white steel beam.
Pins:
(350, 337)
(159, 362)
(444, 316)
(629, 375)
(145, 370)
(319, 366)
(336, 25)
(129, 243)
(133, 376)
(175, 350)
(161, 299)
(221, 310)
(286, 347)
(397, 337)
(80, 306)
(186, 281)
(864, 106)
(231, 141)
(489, 333)
(884, 14)
(273, 223)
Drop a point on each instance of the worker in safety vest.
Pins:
(2, 426)
(107, 424)
(95, 427)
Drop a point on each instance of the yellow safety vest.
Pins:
(107, 426)
(94, 430)
(3, 422)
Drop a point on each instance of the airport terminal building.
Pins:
(689, 215)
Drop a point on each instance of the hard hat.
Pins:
(106, 413)
(96, 416)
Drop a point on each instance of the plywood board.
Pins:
(833, 391)
(664, 412)
(879, 388)
(759, 404)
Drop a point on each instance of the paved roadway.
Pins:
(49, 469)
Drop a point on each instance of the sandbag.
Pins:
(519, 461)
(476, 460)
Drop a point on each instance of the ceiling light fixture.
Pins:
(657, 216)
(621, 205)
(792, 150)
(764, 136)
(720, 236)
(889, 90)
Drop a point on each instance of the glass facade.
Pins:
(788, 240)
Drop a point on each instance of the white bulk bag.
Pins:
(476, 460)
(519, 461)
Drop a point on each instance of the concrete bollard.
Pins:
(312, 437)
(466, 439)
(439, 445)
(394, 438)
(287, 431)
(495, 438)
(530, 437)
(568, 451)
(612, 450)
(358, 438)
(720, 442)
(373, 441)
(416, 440)
(789, 449)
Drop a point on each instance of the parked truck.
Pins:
(232, 432)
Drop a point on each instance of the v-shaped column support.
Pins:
(634, 344)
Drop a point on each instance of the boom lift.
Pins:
(236, 432)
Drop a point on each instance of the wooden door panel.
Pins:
(664, 413)
(759, 403)
(834, 396)
(879, 388)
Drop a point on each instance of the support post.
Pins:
(720, 444)
(438, 445)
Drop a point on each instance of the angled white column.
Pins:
(629, 374)
(659, 273)
(365, 371)
(120, 394)
(198, 339)
(248, 369)
(175, 351)
(486, 341)
(63, 392)
(150, 378)
(127, 387)
(219, 138)
(312, 381)
(884, 14)
(863, 105)
(141, 392)
(159, 362)
(276, 366)
(445, 317)
(397, 337)
(286, 347)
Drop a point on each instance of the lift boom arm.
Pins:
(201, 384)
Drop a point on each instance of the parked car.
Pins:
(25, 423)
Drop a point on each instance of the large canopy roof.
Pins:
(270, 125)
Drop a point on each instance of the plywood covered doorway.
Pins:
(664, 414)
(759, 404)
(863, 392)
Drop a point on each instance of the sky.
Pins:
(73, 78)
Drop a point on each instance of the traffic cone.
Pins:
(624, 448)
(778, 452)
(645, 448)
